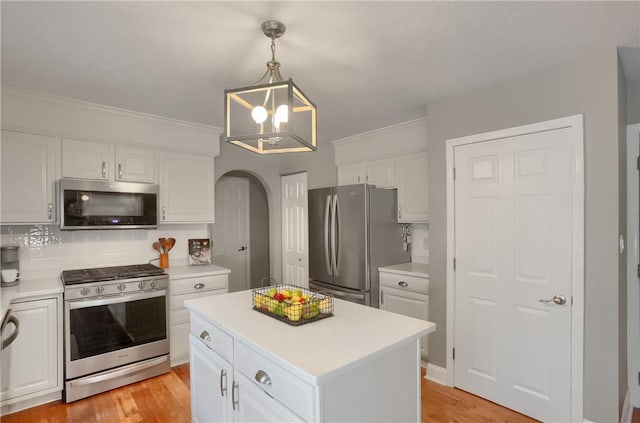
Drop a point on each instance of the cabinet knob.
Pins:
(263, 377)
(403, 284)
(205, 335)
(198, 286)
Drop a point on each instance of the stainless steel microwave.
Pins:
(107, 205)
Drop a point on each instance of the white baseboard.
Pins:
(436, 374)
(627, 409)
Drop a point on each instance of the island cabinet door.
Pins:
(252, 404)
(211, 385)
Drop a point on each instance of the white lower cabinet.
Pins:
(183, 288)
(31, 365)
(406, 295)
(230, 381)
(210, 401)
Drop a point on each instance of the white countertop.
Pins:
(411, 269)
(28, 289)
(316, 349)
(183, 270)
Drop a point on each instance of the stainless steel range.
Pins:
(116, 329)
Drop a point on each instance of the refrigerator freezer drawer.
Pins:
(358, 297)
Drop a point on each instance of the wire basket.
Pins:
(292, 304)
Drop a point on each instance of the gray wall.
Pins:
(633, 102)
(321, 171)
(586, 86)
(622, 229)
(259, 233)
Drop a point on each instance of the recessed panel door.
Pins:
(295, 260)
(513, 249)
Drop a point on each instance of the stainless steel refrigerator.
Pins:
(353, 230)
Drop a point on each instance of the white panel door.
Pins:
(295, 242)
(231, 230)
(513, 221)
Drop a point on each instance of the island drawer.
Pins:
(275, 380)
(214, 338)
(406, 282)
(192, 285)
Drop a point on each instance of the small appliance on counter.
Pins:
(9, 265)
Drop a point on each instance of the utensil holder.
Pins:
(164, 260)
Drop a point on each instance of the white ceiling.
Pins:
(365, 64)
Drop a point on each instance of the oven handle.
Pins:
(75, 304)
(122, 372)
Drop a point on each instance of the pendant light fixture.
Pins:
(273, 115)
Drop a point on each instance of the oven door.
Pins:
(108, 332)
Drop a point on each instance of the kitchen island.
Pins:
(362, 364)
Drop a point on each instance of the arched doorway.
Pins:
(240, 233)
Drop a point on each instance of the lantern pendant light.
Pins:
(273, 115)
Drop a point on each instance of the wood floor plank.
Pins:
(166, 399)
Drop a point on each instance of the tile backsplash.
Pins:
(420, 243)
(45, 249)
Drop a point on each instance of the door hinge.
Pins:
(638, 162)
(454, 353)
(454, 173)
(454, 263)
(638, 378)
(638, 270)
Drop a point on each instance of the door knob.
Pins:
(242, 248)
(557, 299)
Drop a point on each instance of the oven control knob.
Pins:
(142, 284)
(122, 287)
(99, 289)
(154, 283)
(84, 291)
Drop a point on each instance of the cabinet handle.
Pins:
(205, 335)
(403, 284)
(223, 387)
(366, 178)
(358, 178)
(381, 297)
(104, 169)
(119, 170)
(198, 286)
(262, 377)
(50, 211)
(234, 401)
(399, 212)
(6, 342)
(164, 213)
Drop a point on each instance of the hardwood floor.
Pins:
(166, 399)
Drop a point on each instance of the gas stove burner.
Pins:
(98, 274)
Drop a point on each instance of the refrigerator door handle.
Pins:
(326, 234)
(334, 235)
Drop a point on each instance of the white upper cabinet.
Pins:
(413, 195)
(86, 160)
(134, 164)
(382, 172)
(108, 162)
(28, 172)
(351, 174)
(186, 188)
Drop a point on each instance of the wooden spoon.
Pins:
(170, 243)
(163, 243)
(157, 247)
